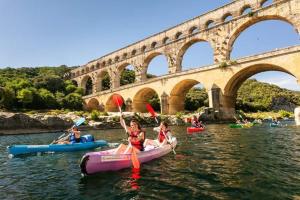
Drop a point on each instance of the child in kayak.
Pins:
(196, 123)
(164, 136)
(73, 137)
(136, 137)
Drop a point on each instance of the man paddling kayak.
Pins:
(73, 137)
(196, 123)
(136, 137)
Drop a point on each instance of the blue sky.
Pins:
(73, 32)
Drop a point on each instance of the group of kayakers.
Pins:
(136, 136)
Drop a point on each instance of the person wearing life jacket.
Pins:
(73, 137)
(136, 137)
(163, 137)
(196, 123)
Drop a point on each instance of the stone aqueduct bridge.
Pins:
(221, 83)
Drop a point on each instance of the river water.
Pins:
(220, 163)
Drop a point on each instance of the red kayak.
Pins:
(194, 129)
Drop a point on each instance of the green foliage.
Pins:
(179, 115)
(38, 88)
(155, 103)
(106, 82)
(223, 65)
(25, 96)
(196, 98)
(284, 113)
(95, 115)
(254, 96)
(73, 101)
(127, 77)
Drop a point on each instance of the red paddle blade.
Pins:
(118, 100)
(150, 109)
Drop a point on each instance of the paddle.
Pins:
(77, 123)
(153, 114)
(135, 161)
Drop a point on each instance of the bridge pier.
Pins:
(164, 103)
(223, 105)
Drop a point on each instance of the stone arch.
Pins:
(100, 84)
(166, 40)
(87, 84)
(110, 105)
(193, 30)
(154, 45)
(235, 81)
(149, 58)
(178, 93)
(183, 50)
(209, 24)
(178, 35)
(265, 3)
(141, 98)
(244, 8)
(75, 82)
(120, 70)
(235, 33)
(143, 49)
(93, 104)
(227, 17)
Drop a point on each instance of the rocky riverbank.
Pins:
(22, 123)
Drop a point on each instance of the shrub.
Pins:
(95, 115)
(179, 115)
(284, 113)
(223, 65)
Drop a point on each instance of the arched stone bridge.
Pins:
(221, 83)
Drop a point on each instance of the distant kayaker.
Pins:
(163, 132)
(136, 136)
(196, 123)
(73, 137)
(275, 121)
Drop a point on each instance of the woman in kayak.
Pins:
(196, 123)
(163, 132)
(73, 137)
(136, 136)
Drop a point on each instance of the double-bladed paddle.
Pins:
(76, 124)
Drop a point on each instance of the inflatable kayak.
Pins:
(103, 161)
(194, 129)
(25, 149)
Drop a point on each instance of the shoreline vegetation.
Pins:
(33, 122)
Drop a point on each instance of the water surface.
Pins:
(220, 163)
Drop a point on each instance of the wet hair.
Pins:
(137, 123)
(75, 128)
(165, 124)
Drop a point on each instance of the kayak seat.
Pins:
(87, 138)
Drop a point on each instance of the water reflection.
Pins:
(135, 176)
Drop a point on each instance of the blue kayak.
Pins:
(24, 149)
(275, 125)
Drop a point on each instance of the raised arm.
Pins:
(123, 124)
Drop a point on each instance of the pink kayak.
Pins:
(102, 161)
(194, 129)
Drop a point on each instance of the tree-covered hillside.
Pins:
(38, 88)
(257, 96)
